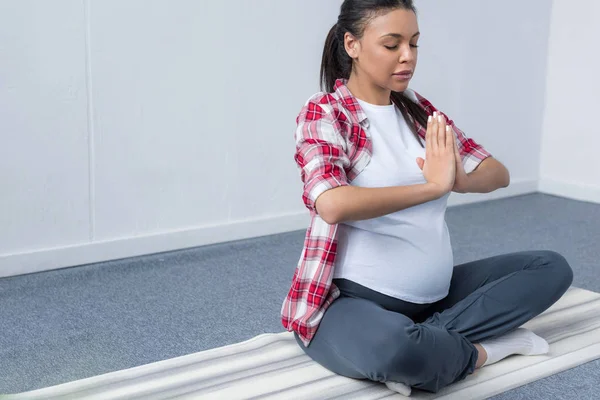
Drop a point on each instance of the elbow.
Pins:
(329, 215)
(333, 219)
(506, 178)
(327, 210)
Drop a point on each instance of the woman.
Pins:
(375, 294)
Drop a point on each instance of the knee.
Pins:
(558, 269)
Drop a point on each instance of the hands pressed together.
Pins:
(442, 165)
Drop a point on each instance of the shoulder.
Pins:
(322, 105)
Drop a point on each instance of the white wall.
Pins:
(571, 142)
(133, 127)
(44, 197)
(484, 63)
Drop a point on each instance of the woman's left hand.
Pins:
(460, 181)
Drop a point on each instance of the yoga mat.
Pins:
(272, 366)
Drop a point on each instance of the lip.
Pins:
(403, 73)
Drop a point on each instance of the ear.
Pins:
(352, 45)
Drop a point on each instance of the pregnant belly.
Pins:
(417, 270)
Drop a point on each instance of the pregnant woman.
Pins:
(376, 294)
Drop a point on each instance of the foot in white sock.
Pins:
(519, 341)
(399, 388)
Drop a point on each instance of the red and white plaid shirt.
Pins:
(332, 148)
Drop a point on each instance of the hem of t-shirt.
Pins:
(408, 298)
(418, 300)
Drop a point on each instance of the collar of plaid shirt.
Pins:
(332, 148)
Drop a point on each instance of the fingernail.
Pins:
(435, 114)
(429, 119)
(447, 128)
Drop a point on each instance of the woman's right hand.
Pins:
(439, 167)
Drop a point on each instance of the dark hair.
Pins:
(336, 63)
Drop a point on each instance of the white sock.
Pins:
(399, 388)
(519, 341)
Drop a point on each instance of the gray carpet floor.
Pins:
(68, 324)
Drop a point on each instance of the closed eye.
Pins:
(395, 47)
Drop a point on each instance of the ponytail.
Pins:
(336, 63)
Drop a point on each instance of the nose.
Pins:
(406, 54)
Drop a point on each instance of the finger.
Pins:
(420, 162)
(428, 134)
(434, 133)
(450, 138)
(441, 131)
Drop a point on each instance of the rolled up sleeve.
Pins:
(472, 153)
(320, 153)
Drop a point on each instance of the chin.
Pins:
(399, 86)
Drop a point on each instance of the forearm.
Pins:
(354, 203)
(490, 175)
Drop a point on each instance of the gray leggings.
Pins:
(367, 335)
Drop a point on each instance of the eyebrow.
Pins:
(397, 35)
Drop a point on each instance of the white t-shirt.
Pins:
(406, 254)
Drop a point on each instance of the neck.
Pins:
(367, 91)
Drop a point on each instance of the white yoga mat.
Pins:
(272, 366)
